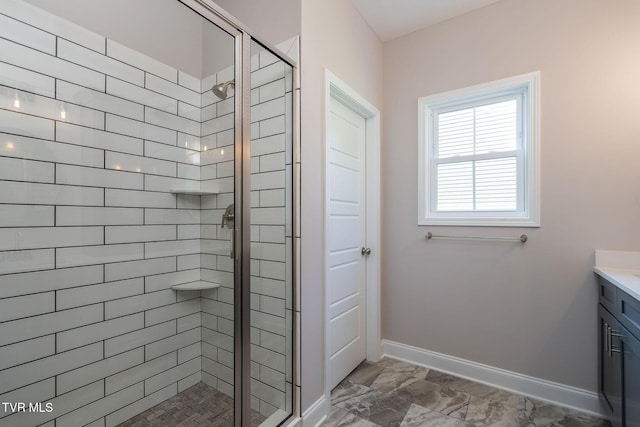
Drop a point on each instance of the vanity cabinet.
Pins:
(610, 378)
(619, 355)
(631, 391)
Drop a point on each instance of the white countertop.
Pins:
(620, 268)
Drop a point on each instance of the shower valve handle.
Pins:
(228, 217)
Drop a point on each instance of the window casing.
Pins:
(479, 155)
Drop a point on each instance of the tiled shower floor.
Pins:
(197, 406)
(392, 393)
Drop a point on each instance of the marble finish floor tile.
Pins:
(481, 390)
(393, 393)
(365, 374)
(347, 391)
(341, 418)
(390, 380)
(485, 412)
(403, 367)
(418, 416)
(437, 398)
(383, 409)
(547, 415)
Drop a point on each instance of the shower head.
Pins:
(220, 90)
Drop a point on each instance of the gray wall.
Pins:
(192, 44)
(142, 25)
(218, 50)
(529, 309)
(354, 54)
(273, 21)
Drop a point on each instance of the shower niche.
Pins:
(147, 205)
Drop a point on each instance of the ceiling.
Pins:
(394, 18)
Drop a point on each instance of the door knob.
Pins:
(365, 251)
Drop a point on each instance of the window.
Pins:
(479, 154)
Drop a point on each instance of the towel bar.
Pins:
(523, 238)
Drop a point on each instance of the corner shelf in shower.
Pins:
(200, 285)
(205, 188)
(193, 192)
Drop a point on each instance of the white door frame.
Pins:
(337, 89)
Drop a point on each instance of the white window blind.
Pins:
(478, 162)
(476, 157)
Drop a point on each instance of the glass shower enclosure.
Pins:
(148, 206)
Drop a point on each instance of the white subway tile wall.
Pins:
(216, 243)
(89, 241)
(93, 135)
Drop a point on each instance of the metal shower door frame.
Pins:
(242, 200)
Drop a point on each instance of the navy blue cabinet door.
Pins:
(610, 360)
(631, 348)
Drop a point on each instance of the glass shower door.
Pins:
(146, 216)
(117, 164)
(271, 283)
(218, 222)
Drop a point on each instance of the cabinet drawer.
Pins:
(608, 294)
(629, 312)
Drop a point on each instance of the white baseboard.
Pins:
(316, 413)
(555, 393)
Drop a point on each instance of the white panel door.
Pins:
(346, 228)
